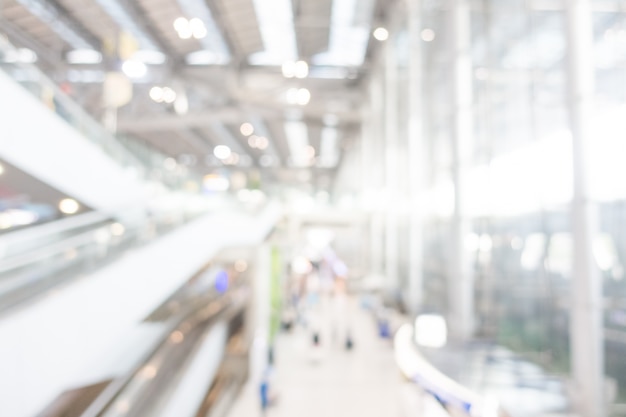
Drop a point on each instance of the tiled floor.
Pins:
(331, 381)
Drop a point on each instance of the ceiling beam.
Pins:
(227, 115)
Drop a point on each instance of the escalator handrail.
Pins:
(200, 315)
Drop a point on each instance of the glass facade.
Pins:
(518, 170)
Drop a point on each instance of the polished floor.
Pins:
(330, 381)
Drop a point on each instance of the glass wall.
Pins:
(519, 185)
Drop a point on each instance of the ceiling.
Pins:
(219, 67)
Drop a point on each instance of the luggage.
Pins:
(349, 343)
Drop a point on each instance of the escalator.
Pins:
(195, 369)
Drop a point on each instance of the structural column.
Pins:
(391, 166)
(586, 329)
(416, 156)
(461, 280)
(374, 185)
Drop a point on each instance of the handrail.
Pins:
(218, 306)
(36, 234)
(446, 390)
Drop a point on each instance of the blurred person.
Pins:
(340, 311)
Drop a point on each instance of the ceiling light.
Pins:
(1, 169)
(428, 35)
(181, 24)
(301, 69)
(151, 57)
(221, 151)
(181, 104)
(169, 95)
(68, 206)
(246, 129)
(289, 69)
(203, 58)
(304, 96)
(83, 56)
(381, 34)
(20, 56)
(197, 28)
(252, 141)
(183, 28)
(215, 182)
(117, 229)
(262, 142)
(134, 69)
(156, 94)
(233, 159)
(300, 96)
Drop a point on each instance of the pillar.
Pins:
(586, 329)
(460, 284)
(415, 156)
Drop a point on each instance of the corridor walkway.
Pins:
(331, 381)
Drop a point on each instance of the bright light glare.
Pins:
(221, 151)
(533, 251)
(1, 169)
(430, 330)
(156, 94)
(262, 142)
(301, 69)
(180, 24)
(300, 96)
(289, 69)
(246, 129)
(68, 206)
(197, 28)
(84, 56)
(381, 34)
(428, 35)
(215, 182)
(117, 229)
(241, 265)
(304, 96)
(301, 265)
(183, 28)
(604, 251)
(134, 69)
(21, 55)
(169, 95)
(16, 217)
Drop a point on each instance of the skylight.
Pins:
(275, 19)
(213, 41)
(125, 21)
(349, 34)
(50, 16)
